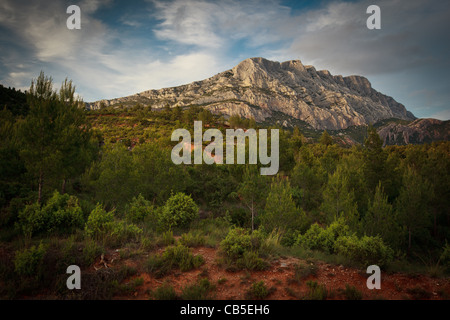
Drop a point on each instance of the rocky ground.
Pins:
(280, 278)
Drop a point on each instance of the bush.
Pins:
(139, 209)
(242, 249)
(61, 214)
(173, 257)
(192, 239)
(366, 250)
(239, 241)
(323, 239)
(102, 226)
(179, 211)
(316, 291)
(351, 293)
(250, 260)
(198, 291)
(28, 262)
(165, 292)
(99, 223)
(258, 290)
(302, 271)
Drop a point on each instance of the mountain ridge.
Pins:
(259, 88)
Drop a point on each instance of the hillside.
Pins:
(288, 93)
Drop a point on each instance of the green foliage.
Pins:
(242, 249)
(258, 290)
(199, 291)
(239, 241)
(338, 199)
(55, 138)
(61, 214)
(316, 291)
(280, 211)
(179, 211)
(139, 209)
(29, 262)
(99, 223)
(366, 250)
(351, 293)
(304, 270)
(165, 292)
(326, 139)
(252, 191)
(318, 238)
(192, 239)
(102, 226)
(173, 257)
(382, 220)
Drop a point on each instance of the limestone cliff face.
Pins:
(260, 88)
(416, 132)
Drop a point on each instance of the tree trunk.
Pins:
(63, 188)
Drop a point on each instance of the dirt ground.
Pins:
(280, 279)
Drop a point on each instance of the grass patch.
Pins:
(199, 291)
(174, 257)
(316, 291)
(351, 293)
(165, 292)
(259, 290)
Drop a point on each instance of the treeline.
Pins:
(361, 201)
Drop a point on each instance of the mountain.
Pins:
(415, 132)
(289, 93)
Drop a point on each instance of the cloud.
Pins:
(179, 41)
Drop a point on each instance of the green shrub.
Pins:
(192, 239)
(180, 256)
(258, 290)
(242, 249)
(102, 226)
(99, 223)
(351, 293)
(166, 239)
(318, 238)
(29, 262)
(316, 291)
(179, 211)
(239, 241)
(304, 270)
(366, 250)
(61, 214)
(250, 260)
(140, 209)
(198, 291)
(165, 292)
(91, 251)
(173, 257)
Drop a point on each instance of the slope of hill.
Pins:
(415, 132)
(265, 89)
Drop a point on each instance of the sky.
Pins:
(129, 46)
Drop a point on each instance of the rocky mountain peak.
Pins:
(287, 92)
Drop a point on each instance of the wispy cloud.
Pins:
(179, 41)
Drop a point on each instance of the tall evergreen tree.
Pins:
(54, 137)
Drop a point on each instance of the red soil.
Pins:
(280, 278)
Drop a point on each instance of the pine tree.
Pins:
(339, 199)
(252, 191)
(54, 137)
(280, 210)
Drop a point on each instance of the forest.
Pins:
(77, 183)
